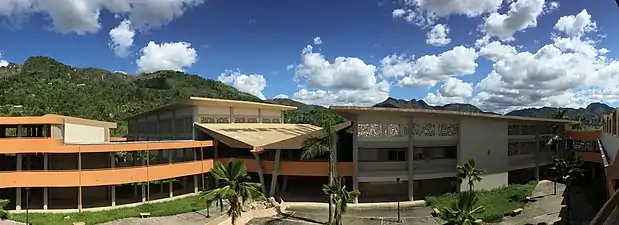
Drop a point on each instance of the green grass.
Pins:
(173, 207)
(497, 201)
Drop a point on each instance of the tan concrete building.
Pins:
(425, 146)
(71, 163)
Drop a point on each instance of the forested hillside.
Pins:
(43, 85)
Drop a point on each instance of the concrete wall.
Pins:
(485, 140)
(57, 131)
(77, 133)
(611, 145)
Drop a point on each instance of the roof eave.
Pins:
(349, 112)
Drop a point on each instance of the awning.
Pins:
(260, 136)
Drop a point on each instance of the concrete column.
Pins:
(195, 177)
(184, 159)
(170, 183)
(536, 153)
(45, 167)
(278, 153)
(143, 184)
(216, 157)
(284, 184)
(261, 173)
(355, 157)
(410, 158)
(79, 190)
(133, 163)
(161, 155)
(19, 163)
(113, 187)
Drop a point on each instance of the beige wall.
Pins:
(77, 133)
(57, 131)
(485, 140)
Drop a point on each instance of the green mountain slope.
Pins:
(43, 85)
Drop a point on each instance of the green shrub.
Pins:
(3, 213)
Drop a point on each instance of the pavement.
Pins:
(550, 209)
(192, 218)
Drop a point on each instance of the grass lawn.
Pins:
(497, 201)
(173, 207)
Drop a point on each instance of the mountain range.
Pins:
(44, 85)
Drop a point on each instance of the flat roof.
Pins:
(201, 101)
(349, 112)
(127, 142)
(54, 119)
(82, 121)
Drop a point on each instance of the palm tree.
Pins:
(559, 136)
(236, 189)
(569, 167)
(341, 197)
(468, 171)
(322, 145)
(462, 211)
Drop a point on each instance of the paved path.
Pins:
(550, 208)
(192, 218)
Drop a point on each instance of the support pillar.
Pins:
(536, 153)
(183, 160)
(113, 187)
(216, 156)
(19, 163)
(285, 184)
(133, 163)
(355, 158)
(410, 158)
(143, 184)
(45, 191)
(195, 177)
(260, 173)
(278, 153)
(170, 181)
(79, 190)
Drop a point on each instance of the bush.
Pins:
(3, 213)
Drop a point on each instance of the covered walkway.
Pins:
(260, 137)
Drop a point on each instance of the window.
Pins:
(396, 155)
(431, 153)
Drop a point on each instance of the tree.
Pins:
(341, 197)
(322, 145)
(558, 132)
(463, 210)
(3, 213)
(236, 189)
(468, 171)
(568, 166)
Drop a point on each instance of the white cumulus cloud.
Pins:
(166, 56)
(438, 35)
(249, 83)
(83, 16)
(121, 38)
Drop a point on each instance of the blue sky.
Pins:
(498, 55)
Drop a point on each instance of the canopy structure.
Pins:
(261, 136)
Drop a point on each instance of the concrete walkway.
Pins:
(549, 208)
